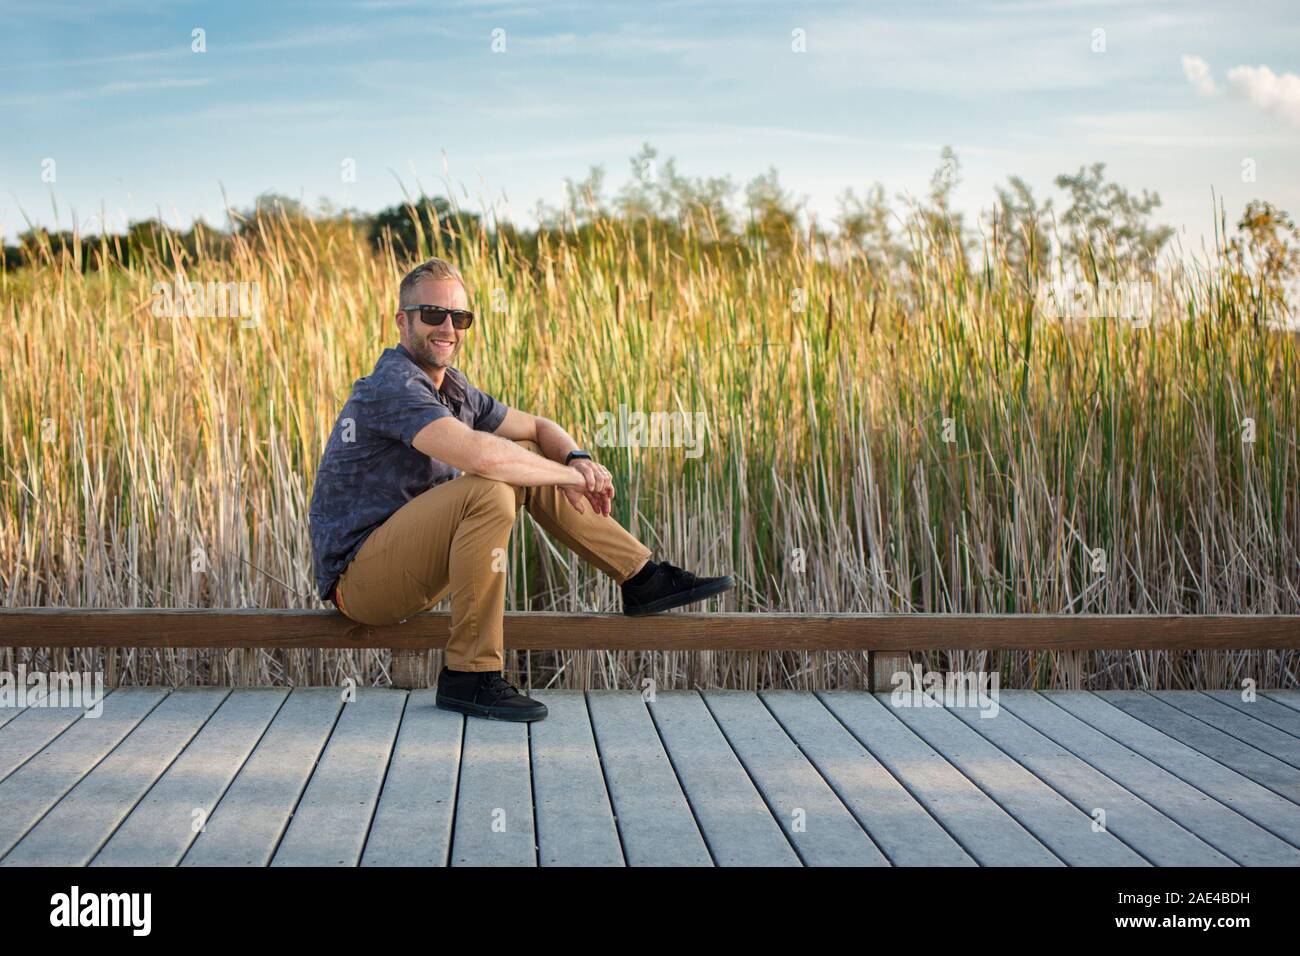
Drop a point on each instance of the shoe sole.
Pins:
(479, 710)
(670, 601)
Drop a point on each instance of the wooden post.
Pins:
(882, 668)
(409, 669)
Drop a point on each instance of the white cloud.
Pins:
(1197, 72)
(1269, 91)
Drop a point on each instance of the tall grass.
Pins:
(920, 442)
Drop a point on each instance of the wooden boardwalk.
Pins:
(265, 776)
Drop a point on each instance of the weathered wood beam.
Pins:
(150, 627)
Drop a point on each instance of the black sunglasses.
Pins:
(434, 314)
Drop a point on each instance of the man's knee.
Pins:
(495, 495)
(530, 445)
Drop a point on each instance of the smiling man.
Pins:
(421, 482)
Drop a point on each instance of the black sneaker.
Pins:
(485, 694)
(668, 587)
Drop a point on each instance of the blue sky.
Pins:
(138, 124)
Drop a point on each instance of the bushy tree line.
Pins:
(1099, 228)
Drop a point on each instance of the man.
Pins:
(421, 482)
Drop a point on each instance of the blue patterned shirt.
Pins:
(370, 468)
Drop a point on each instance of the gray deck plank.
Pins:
(30, 731)
(9, 713)
(494, 805)
(575, 821)
(735, 821)
(28, 793)
(164, 824)
(901, 827)
(655, 823)
(1227, 831)
(1263, 708)
(246, 826)
(34, 701)
(1149, 832)
(1243, 724)
(814, 819)
(413, 823)
(1065, 829)
(984, 830)
(1185, 779)
(1249, 761)
(1287, 698)
(332, 819)
(1274, 813)
(72, 832)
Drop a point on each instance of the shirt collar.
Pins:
(453, 382)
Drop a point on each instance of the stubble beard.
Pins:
(434, 360)
(425, 353)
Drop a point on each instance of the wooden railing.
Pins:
(884, 636)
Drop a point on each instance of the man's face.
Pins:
(433, 347)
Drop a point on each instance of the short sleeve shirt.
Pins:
(370, 469)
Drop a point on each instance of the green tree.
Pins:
(935, 227)
(268, 205)
(411, 227)
(773, 214)
(864, 223)
(1109, 229)
(1018, 226)
(658, 192)
(1267, 245)
(585, 200)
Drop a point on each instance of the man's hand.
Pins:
(599, 489)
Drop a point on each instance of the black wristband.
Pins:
(576, 453)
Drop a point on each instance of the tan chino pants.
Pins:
(447, 539)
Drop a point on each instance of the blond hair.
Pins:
(437, 269)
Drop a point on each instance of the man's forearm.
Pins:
(503, 460)
(555, 442)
